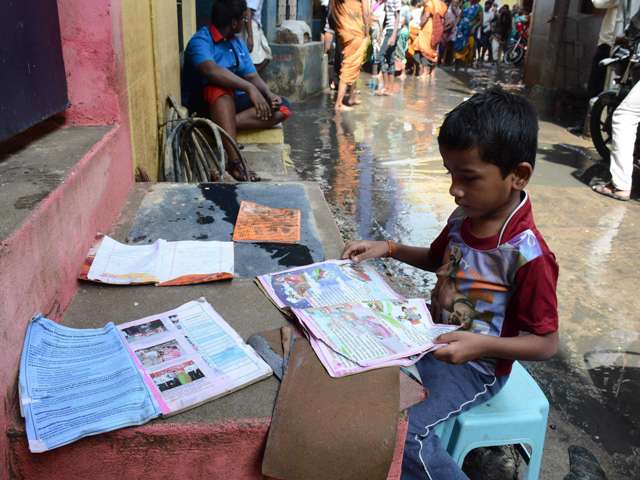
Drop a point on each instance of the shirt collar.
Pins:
(215, 34)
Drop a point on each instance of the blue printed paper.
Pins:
(78, 382)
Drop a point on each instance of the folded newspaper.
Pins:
(163, 263)
(354, 320)
(79, 382)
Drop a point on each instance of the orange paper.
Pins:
(258, 223)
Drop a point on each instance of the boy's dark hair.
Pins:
(502, 126)
(223, 11)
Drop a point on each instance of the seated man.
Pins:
(220, 81)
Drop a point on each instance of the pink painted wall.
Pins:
(91, 43)
(39, 262)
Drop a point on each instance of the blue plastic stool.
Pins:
(517, 415)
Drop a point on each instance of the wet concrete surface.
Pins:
(381, 172)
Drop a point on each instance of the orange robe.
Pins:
(351, 35)
(423, 42)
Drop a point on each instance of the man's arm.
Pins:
(249, 28)
(466, 346)
(256, 80)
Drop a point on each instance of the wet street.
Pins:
(382, 174)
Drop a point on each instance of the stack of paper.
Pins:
(353, 318)
(163, 263)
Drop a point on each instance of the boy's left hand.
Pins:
(462, 347)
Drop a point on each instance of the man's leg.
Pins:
(248, 120)
(625, 125)
(223, 112)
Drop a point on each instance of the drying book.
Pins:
(354, 320)
(79, 382)
(162, 263)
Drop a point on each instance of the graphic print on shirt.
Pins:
(474, 286)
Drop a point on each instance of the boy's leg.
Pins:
(452, 389)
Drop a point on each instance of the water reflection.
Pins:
(379, 165)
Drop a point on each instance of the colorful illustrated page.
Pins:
(327, 283)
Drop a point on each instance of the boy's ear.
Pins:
(521, 175)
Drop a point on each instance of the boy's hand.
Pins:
(364, 250)
(462, 347)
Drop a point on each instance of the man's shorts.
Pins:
(242, 101)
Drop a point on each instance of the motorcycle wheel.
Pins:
(600, 123)
(514, 54)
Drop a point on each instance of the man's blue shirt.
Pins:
(208, 44)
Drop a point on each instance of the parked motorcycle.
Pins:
(514, 54)
(623, 65)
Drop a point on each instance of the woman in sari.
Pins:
(464, 44)
(426, 50)
(352, 20)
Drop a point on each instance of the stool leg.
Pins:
(535, 463)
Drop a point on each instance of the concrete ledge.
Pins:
(296, 71)
(267, 136)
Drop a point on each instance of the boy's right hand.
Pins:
(360, 250)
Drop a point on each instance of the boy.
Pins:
(496, 275)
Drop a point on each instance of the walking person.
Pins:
(400, 53)
(377, 36)
(500, 33)
(391, 25)
(485, 38)
(451, 20)
(430, 36)
(624, 128)
(464, 45)
(351, 19)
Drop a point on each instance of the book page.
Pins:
(78, 382)
(340, 366)
(259, 223)
(188, 262)
(191, 355)
(371, 333)
(122, 264)
(326, 283)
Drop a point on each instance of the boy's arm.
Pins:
(466, 346)
(361, 250)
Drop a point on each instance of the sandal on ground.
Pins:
(608, 190)
(239, 171)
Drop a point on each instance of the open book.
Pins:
(354, 320)
(79, 382)
(163, 263)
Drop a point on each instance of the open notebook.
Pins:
(79, 382)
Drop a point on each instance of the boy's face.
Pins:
(478, 186)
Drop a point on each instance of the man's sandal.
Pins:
(608, 190)
(239, 171)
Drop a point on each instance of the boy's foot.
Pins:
(608, 190)
(383, 92)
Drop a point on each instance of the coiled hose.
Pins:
(192, 147)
